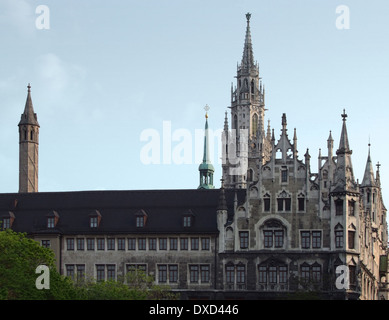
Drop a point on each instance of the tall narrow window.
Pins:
(351, 207)
(316, 239)
(236, 125)
(252, 86)
(351, 239)
(316, 273)
(111, 272)
(339, 236)
(244, 239)
(305, 274)
(230, 274)
(262, 274)
(272, 274)
(162, 273)
(284, 175)
(301, 202)
(254, 124)
(204, 272)
(268, 239)
(339, 207)
(240, 274)
(100, 270)
(266, 202)
(305, 240)
(194, 273)
(278, 238)
(173, 273)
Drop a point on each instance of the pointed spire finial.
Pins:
(378, 166)
(206, 108)
(29, 87)
(248, 16)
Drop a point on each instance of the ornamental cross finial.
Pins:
(344, 115)
(248, 16)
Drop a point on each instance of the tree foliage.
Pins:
(20, 256)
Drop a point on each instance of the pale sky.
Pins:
(106, 72)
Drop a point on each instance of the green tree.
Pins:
(19, 258)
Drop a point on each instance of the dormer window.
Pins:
(94, 219)
(188, 219)
(7, 221)
(52, 219)
(140, 219)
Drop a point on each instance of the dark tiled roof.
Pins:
(164, 209)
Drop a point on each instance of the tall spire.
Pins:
(344, 176)
(343, 144)
(28, 147)
(29, 116)
(206, 168)
(368, 177)
(248, 56)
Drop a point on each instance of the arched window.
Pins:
(254, 124)
(252, 86)
(274, 233)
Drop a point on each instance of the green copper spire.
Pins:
(206, 168)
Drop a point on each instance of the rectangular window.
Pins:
(240, 274)
(266, 204)
(50, 222)
(351, 207)
(288, 204)
(162, 273)
(173, 273)
(111, 272)
(244, 239)
(194, 243)
(93, 222)
(262, 274)
(204, 270)
(152, 244)
(45, 243)
(272, 274)
(70, 244)
(339, 238)
(282, 274)
(305, 273)
(111, 244)
(280, 204)
(194, 273)
(301, 204)
(184, 243)
(162, 243)
(121, 244)
(351, 240)
(81, 244)
(316, 239)
(6, 223)
(230, 274)
(284, 175)
(90, 244)
(70, 270)
(305, 239)
(316, 274)
(80, 272)
(187, 221)
(100, 272)
(339, 207)
(131, 244)
(140, 221)
(100, 244)
(142, 244)
(268, 239)
(352, 275)
(278, 238)
(173, 243)
(205, 243)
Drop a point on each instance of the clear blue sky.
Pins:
(106, 71)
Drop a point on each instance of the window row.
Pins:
(182, 243)
(272, 274)
(166, 273)
(284, 202)
(139, 219)
(275, 238)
